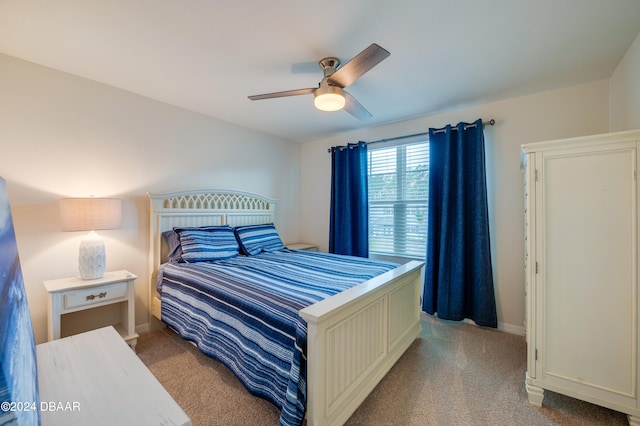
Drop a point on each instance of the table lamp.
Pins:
(91, 214)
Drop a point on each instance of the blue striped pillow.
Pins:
(207, 243)
(255, 239)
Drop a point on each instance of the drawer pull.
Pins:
(100, 296)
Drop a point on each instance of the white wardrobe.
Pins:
(581, 219)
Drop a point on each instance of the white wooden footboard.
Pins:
(355, 337)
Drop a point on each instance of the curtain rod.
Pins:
(440, 130)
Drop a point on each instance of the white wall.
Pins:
(624, 91)
(64, 136)
(573, 111)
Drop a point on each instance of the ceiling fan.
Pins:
(330, 94)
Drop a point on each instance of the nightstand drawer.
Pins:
(94, 295)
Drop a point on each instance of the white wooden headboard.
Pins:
(201, 207)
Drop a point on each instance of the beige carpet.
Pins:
(455, 374)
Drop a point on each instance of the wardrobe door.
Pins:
(587, 249)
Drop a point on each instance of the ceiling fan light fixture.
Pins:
(329, 98)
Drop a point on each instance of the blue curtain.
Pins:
(458, 276)
(348, 224)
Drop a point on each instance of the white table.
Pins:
(302, 246)
(94, 378)
(74, 294)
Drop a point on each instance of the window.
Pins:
(398, 195)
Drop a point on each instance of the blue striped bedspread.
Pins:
(244, 312)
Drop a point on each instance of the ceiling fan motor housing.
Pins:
(329, 65)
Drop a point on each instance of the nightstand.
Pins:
(302, 246)
(74, 294)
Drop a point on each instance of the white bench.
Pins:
(94, 378)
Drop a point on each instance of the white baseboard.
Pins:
(502, 326)
(143, 328)
(507, 328)
(510, 328)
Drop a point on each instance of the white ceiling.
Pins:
(208, 56)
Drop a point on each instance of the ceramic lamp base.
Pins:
(92, 257)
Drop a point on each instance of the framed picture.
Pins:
(19, 401)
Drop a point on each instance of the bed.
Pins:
(344, 339)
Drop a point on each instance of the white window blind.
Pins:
(398, 179)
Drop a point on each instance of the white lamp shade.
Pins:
(90, 214)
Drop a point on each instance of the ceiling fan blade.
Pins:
(296, 92)
(360, 64)
(355, 108)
